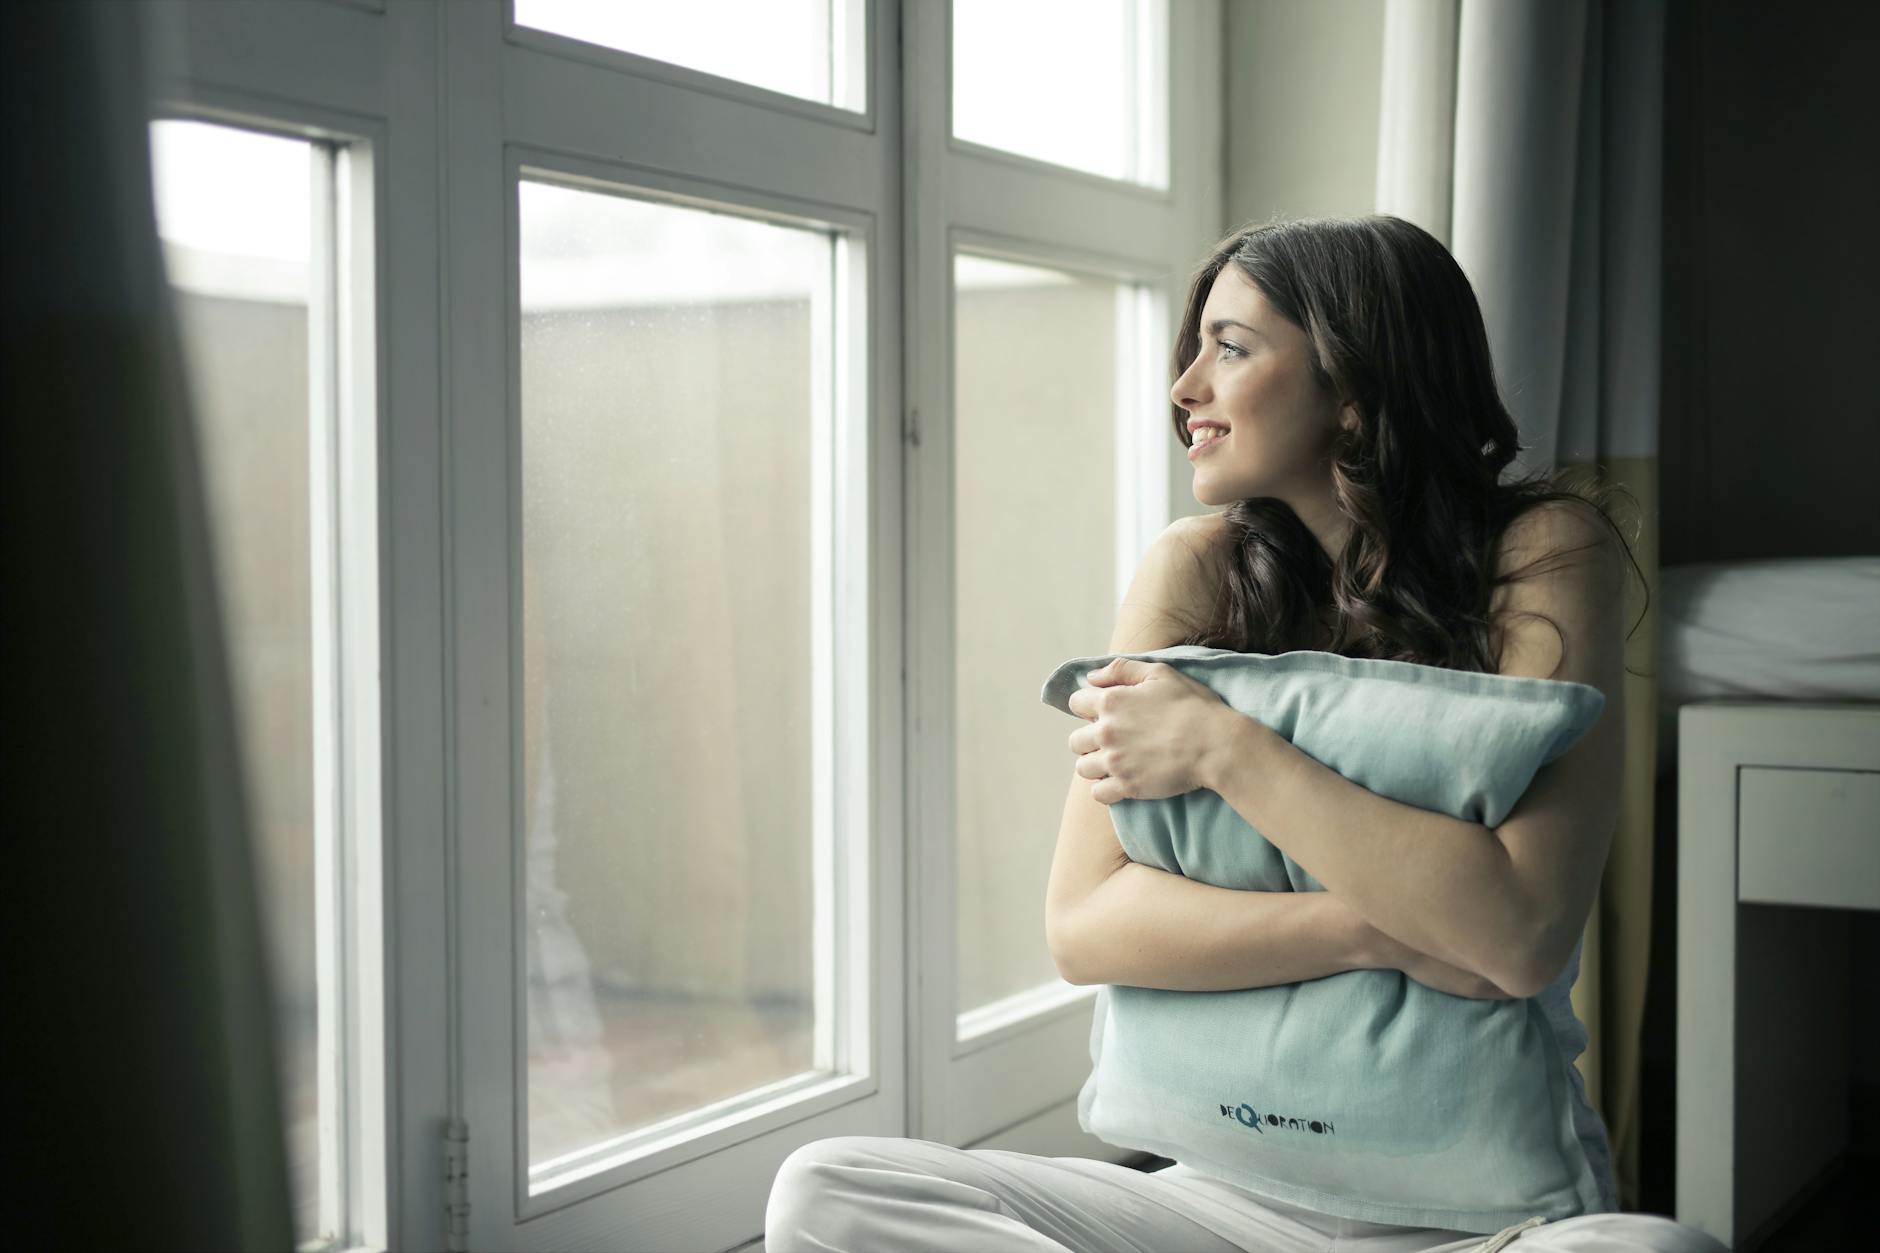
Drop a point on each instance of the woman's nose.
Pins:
(1188, 390)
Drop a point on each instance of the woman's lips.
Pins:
(1200, 447)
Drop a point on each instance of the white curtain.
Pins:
(1527, 135)
(142, 1108)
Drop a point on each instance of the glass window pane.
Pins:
(1079, 83)
(672, 365)
(1035, 519)
(808, 48)
(234, 215)
(1076, 83)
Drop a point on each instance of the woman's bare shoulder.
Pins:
(1206, 535)
(1198, 546)
(1562, 544)
(1176, 588)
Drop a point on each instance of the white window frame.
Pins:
(521, 100)
(346, 734)
(438, 108)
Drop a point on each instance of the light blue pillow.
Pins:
(1363, 1094)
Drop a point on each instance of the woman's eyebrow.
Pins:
(1215, 327)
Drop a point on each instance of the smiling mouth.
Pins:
(1200, 445)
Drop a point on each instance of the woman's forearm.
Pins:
(1437, 884)
(1144, 927)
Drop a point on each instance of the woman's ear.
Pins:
(1348, 418)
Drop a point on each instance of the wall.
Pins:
(1771, 260)
(1302, 88)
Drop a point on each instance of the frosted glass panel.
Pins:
(234, 218)
(1079, 83)
(1035, 400)
(807, 48)
(671, 371)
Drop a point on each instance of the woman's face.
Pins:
(1253, 376)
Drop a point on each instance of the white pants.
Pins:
(886, 1194)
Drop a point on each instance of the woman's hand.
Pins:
(1150, 728)
(1385, 953)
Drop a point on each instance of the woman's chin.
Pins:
(1212, 489)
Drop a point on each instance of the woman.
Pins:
(1334, 389)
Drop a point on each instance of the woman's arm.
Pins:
(1144, 927)
(1147, 928)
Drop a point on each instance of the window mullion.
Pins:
(327, 673)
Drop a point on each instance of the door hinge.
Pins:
(913, 425)
(457, 1186)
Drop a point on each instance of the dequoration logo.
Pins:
(1247, 1116)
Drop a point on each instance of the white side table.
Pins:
(1778, 808)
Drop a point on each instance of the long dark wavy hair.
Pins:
(1392, 325)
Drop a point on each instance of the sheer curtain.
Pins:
(1526, 134)
(141, 1100)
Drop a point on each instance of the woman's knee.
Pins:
(807, 1166)
(1622, 1233)
(807, 1208)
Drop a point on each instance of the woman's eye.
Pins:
(1230, 347)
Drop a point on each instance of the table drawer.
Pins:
(1808, 837)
